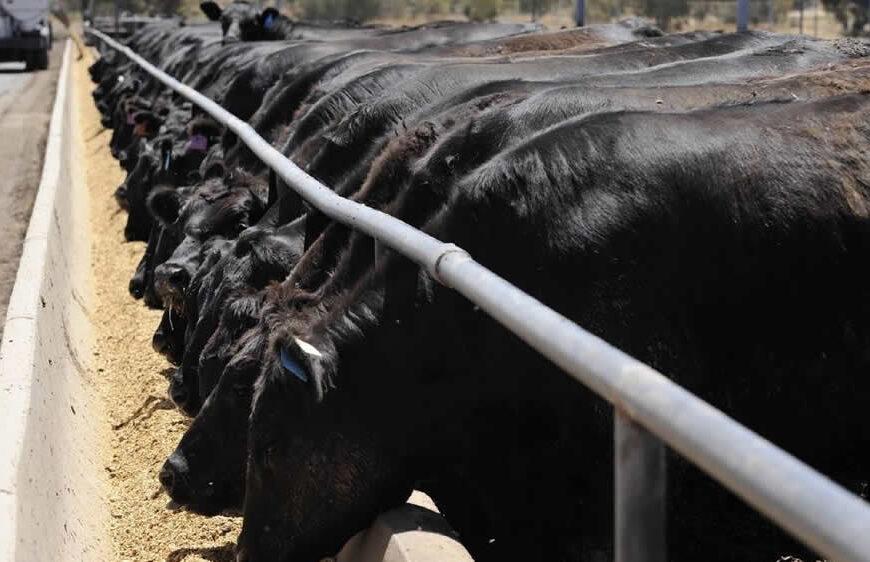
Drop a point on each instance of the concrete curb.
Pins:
(51, 507)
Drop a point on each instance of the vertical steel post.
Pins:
(770, 13)
(580, 13)
(278, 5)
(816, 19)
(639, 493)
(742, 15)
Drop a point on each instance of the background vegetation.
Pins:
(825, 18)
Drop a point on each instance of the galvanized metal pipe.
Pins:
(639, 485)
(811, 507)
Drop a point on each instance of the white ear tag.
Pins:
(307, 347)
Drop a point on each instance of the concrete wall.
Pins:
(51, 506)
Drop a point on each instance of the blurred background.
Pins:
(821, 18)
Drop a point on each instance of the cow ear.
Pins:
(211, 10)
(165, 205)
(268, 18)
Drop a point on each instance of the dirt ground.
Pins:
(26, 99)
(144, 425)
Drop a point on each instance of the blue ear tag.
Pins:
(270, 19)
(293, 366)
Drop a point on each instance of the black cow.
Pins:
(689, 240)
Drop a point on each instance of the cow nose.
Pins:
(173, 473)
(179, 395)
(186, 401)
(173, 275)
(160, 342)
(167, 477)
(137, 287)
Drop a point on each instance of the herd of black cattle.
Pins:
(701, 200)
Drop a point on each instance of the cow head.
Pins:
(206, 472)
(318, 471)
(240, 21)
(212, 210)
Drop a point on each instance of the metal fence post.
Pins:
(640, 482)
(742, 15)
(580, 13)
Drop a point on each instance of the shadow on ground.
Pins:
(223, 553)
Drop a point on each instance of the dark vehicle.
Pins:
(25, 32)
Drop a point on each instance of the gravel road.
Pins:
(26, 99)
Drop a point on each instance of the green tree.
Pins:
(663, 10)
(848, 12)
(359, 10)
(482, 10)
(429, 6)
(537, 7)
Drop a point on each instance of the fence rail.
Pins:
(648, 406)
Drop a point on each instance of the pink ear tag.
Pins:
(197, 142)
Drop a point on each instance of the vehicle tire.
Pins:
(38, 60)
